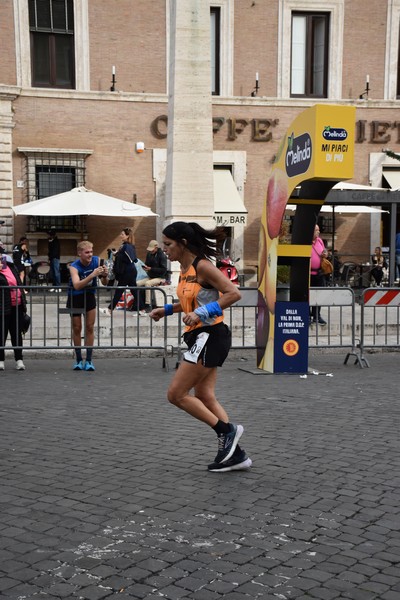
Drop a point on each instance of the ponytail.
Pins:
(202, 242)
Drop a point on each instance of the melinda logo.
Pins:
(298, 154)
(334, 133)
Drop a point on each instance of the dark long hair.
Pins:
(202, 242)
(128, 231)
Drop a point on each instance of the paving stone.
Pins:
(94, 593)
(323, 593)
(20, 591)
(7, 582)
(389, 596)
(9, 566)
(173, 592)
(361, 594)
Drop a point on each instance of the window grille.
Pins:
(48, 173)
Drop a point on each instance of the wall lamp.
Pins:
(257, 87)
(113, 81)
(139, 147)
(366, 91)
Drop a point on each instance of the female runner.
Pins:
(203, 293)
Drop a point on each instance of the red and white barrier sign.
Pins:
(382, 297)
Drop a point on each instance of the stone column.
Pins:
(6, 178)
(189, 193)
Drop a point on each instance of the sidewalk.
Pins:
(105, 494)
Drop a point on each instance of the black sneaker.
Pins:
(237, 462)
(321, 321)
(227, 443)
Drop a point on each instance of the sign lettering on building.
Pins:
(261, 130)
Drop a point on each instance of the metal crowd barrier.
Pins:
(338, 309)
(51, 323)
(380, 311)
(372, 323)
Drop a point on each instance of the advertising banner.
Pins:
(319, 146)
(291, 337)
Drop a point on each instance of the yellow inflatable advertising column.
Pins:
(316, 152)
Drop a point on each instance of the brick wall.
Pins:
(133, 38)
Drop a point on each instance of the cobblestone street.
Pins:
(105, 492)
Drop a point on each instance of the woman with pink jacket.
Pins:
(317, 278)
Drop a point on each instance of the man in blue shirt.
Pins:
(82, 295)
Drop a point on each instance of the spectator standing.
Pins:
(141, 281)
(317, 277)
(12, 309)
(21, 256)
(54, 260)
(125, 270)
(82, 295)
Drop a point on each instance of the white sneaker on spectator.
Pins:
(1, 365)
(20, 366)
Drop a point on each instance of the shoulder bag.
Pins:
(326, 266)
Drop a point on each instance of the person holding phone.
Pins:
(82, 288)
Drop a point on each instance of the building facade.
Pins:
(82, 82)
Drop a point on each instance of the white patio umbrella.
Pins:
(347, 185)
(341, 209)
(348, 209)
(81, 201)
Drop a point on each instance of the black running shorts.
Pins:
(85, 300)
(217, 345)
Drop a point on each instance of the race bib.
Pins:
(193, 354)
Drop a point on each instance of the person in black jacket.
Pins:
(12, 309)
(21, 256)
(54, 260)
(155, 267)
(124, 269)
(155, 264)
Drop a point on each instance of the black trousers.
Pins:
(377, 274)
(130, 282)
(8, 325)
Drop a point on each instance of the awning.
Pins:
(229, 209)
(356, 209)
(392, 177)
